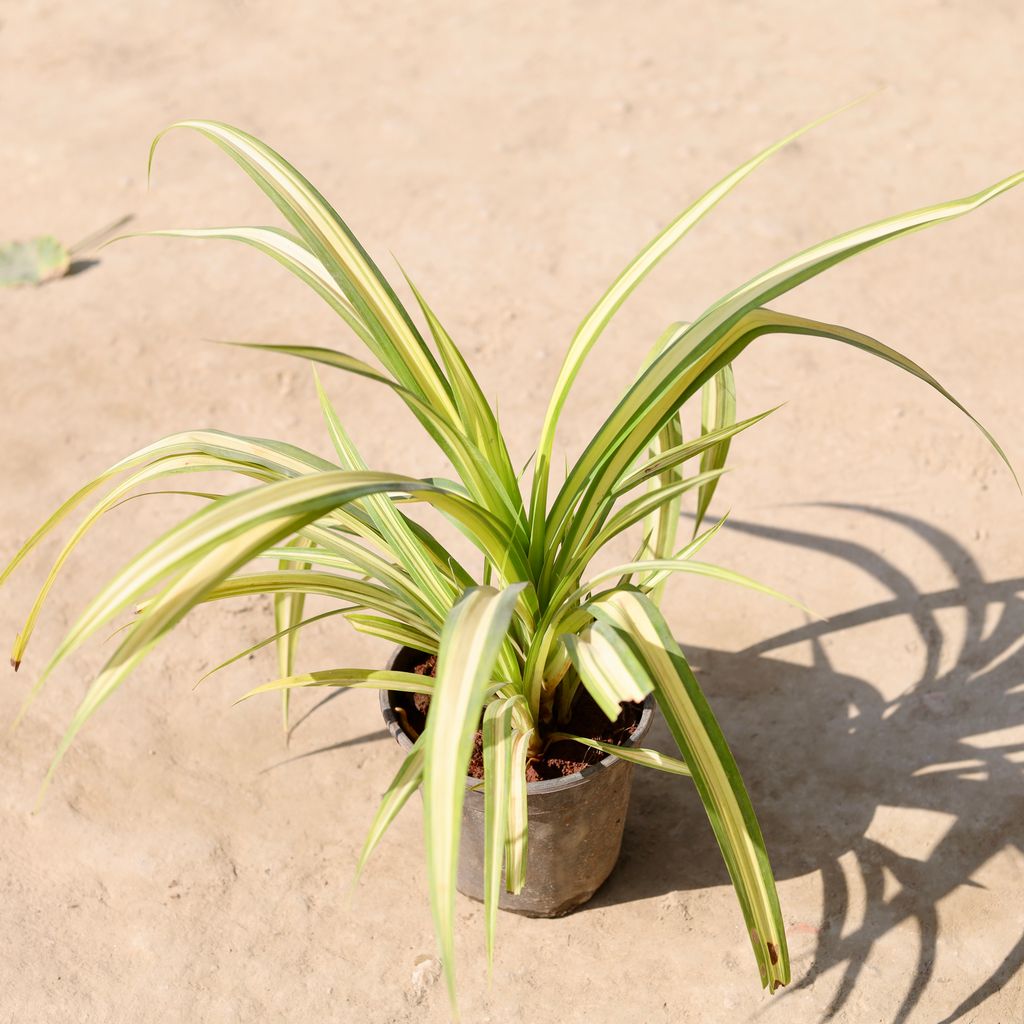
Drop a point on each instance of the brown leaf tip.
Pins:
(15, 663)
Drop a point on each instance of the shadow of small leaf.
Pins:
(81, 266)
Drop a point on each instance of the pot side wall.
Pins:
(575, 824)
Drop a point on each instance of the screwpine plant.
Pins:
(516, 643)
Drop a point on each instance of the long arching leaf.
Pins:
(333, 244)
(598, 318)
(630, 635)
(470, 643)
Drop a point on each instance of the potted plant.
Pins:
(498, 675)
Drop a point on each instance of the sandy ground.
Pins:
(514, 156)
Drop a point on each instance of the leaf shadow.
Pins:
(77, 267)
(354, 741)
(821, 751)
(332, 695)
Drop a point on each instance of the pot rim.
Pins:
(532, 788)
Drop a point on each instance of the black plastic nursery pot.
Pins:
(575, 823)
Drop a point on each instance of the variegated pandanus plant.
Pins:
(514, 644)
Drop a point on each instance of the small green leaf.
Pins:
(33, 262)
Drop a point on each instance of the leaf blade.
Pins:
(357, 678)
(637, 633)
(597, 319)
(470, 642)
(718, 413)
(643, 756)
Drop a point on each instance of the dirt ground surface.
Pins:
(187, 865)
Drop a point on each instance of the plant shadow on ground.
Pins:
(821, 751)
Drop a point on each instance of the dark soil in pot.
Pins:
(558, 759)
